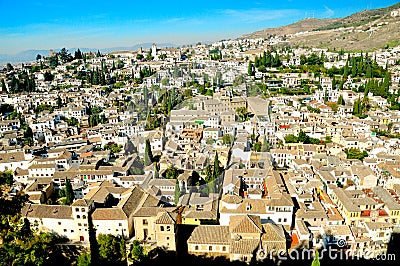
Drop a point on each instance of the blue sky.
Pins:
(45, 24)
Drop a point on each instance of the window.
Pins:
(78, 216)
(120, 224)
(162, 228)
(76, 209)
(284, 220)
(83, 209)
(84, 216)
(209, 248)
(59, 223)
(196, 248)
(79, 224)
(65, 230)
(279, 220)
(223, 248)
(168, 228)
(145, 221)
(167, 237)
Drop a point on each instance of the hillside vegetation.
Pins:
(366, 30)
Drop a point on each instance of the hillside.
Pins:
(365, 30)
(300, 26)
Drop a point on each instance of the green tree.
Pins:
(177, 193)
(111, 250)
(156, 171)
(48, 76)
(6, 178)
(64, 55)
(3, 86)
(145, 96)
(113, 147)
(357, 107)
(209, 174)
(217, 168)
(257, 146)
(165, 81)
(265, 145)
(120, 64)
(172, 172)
(59, 102)
(315, 261)
(78, 54)
(84, 259)
(242, 113)
(227, 139)
(250, 69)
(139, 57)
(28, 133)
(9, 67)
(53, 61)
(20, 244)
(69, 193)
(355, 153)
(137, 253)
(148, 155)
(302, 136)
(341, 100)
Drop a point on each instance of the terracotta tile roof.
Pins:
(231, 199)
(210, 234)
(245, 224)
(131, 203)
(65, 155)
(47, 211)
(167, 218)
(95, 140)
(10, 157)
(109, 214)
(273, 232)
(41, 166)
(21, 172)
(82, 202)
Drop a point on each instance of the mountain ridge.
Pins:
(364, 30)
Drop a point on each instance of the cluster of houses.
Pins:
(282, 197)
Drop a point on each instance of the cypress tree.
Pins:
(177, 192)
(356, 109)
(145, 95)
(217, 168)
(156, 171)
(265, 145)
(3, 86)
(341, 100)
(69, 192)
(250, 69)
(148, 155)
